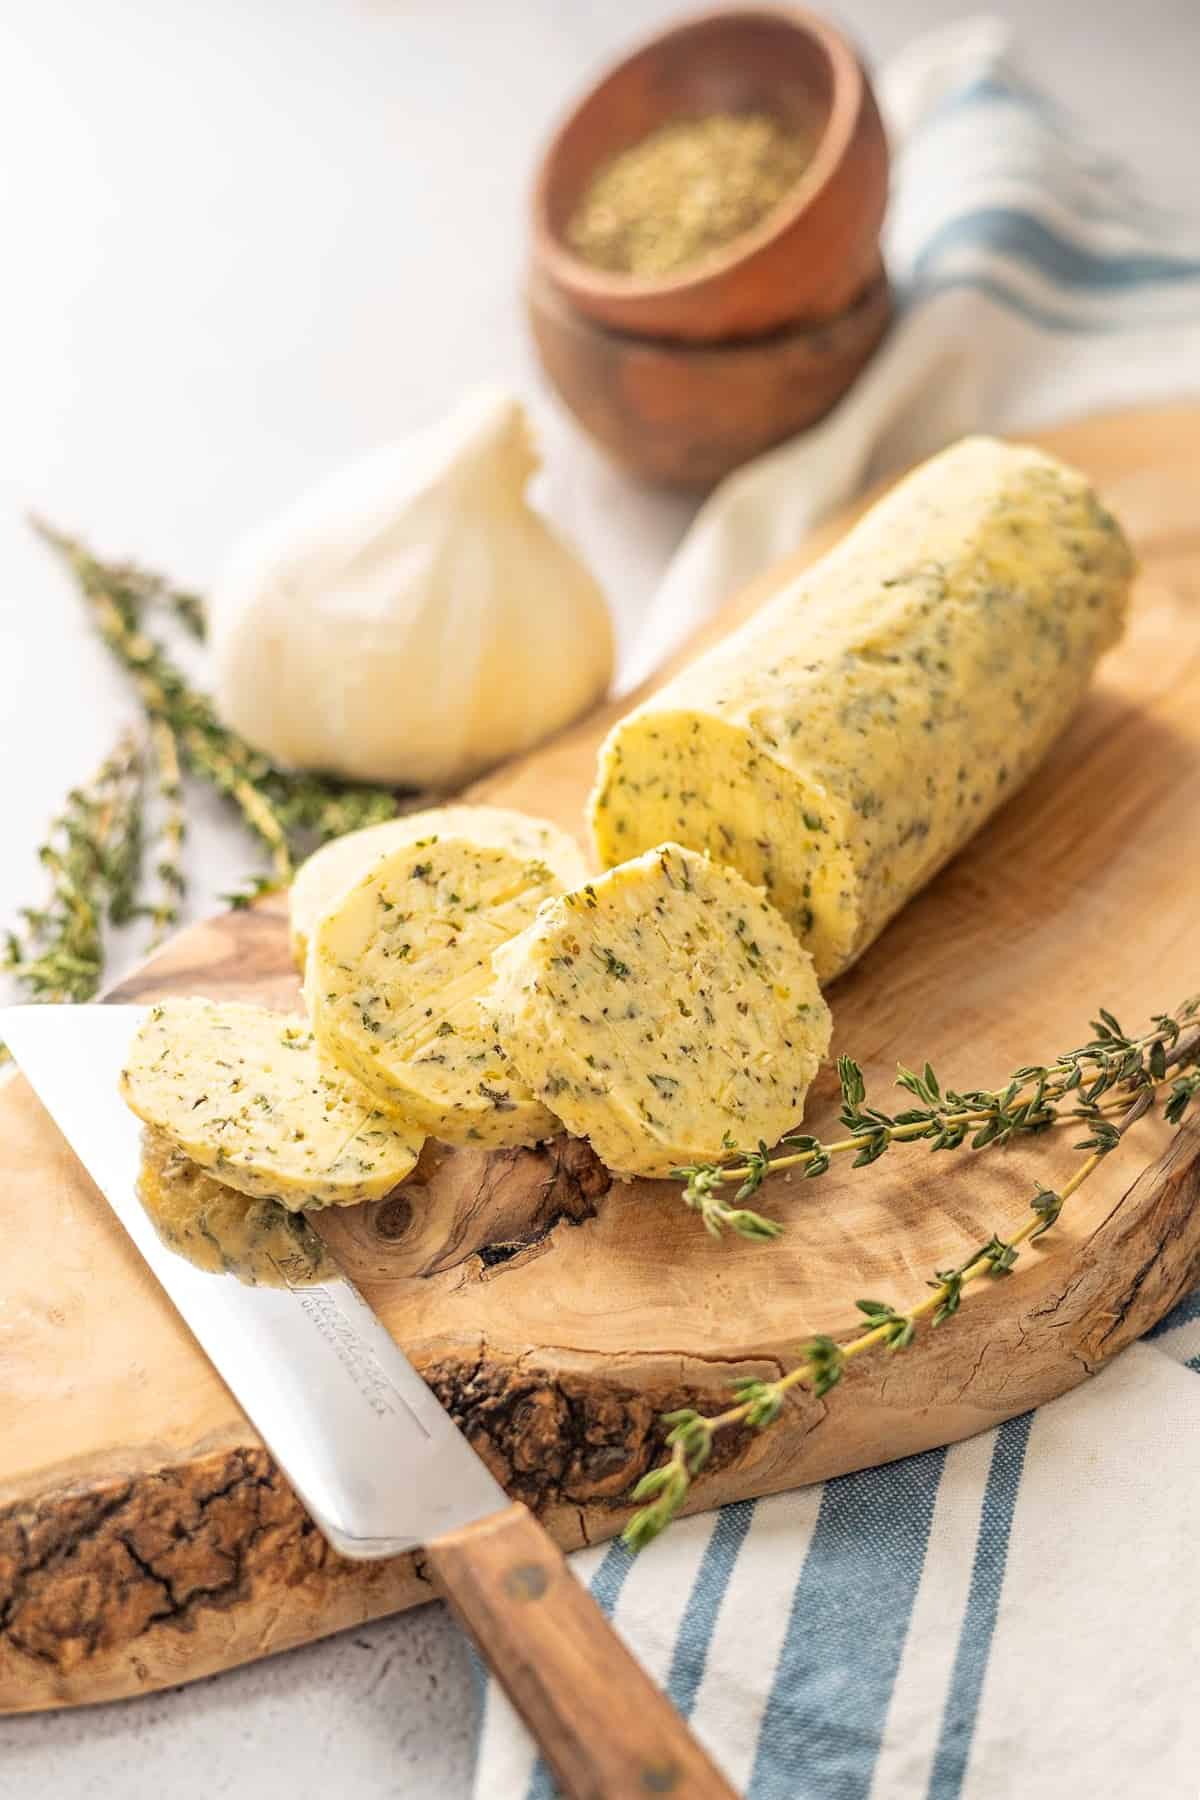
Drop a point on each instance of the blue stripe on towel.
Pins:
(1037, 315)
(690, 1656)
(479, 1684)
(983, 1603)
(997, 89)
(1187, 1310)
(1000, 89)
(605, 1588)
(1116, 201)
(850, 1617)
(1007, 231)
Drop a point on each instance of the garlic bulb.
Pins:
(412, 620)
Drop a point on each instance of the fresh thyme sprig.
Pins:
(92, 855)
(145, 587)
(290, 812)
(1112, 1068)
(1030, 1102)
(172, 829)
(95, 850)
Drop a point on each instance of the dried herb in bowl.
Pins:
(687, 189)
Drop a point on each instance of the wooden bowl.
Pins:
(809, 260)
(686, 414)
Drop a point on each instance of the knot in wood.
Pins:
(392, 1217)
(527, 1581)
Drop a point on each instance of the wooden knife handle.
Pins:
(603, 1726)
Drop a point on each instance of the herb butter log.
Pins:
(396, 969)
(663, 1011)
(843, 744)
(249, 1095)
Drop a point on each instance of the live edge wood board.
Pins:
(145, 1536)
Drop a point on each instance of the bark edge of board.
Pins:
(119, 1587)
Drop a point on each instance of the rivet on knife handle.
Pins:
(604, 1727)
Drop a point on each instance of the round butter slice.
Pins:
(249, 1095)
(259, 1241)
(336, 867)
(395, 973)
(663, 1010)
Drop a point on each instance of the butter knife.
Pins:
(374, 1458)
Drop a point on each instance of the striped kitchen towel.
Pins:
(1034, 283)
(1018, 1614)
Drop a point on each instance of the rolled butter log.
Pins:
(844, 743)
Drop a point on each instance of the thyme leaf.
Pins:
(91, 856)
(94, 850)
(1135, 1072)
(1099, 1075)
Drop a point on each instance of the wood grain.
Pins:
(145, 1537)
(685, 415)
(606, 1730)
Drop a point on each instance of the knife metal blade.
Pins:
(367, 1447)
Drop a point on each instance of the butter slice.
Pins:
(249, 1095)
(662, 1011)
(395, 973)
(336, 867)
(213, 1226)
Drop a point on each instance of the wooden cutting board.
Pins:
(147, 1538)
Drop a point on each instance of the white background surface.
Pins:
(243, 242)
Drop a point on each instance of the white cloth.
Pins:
(1017, 1614)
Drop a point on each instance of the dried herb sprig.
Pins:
(1030, 1102)
(289, 812)
(172, 829)
(94, 851)
(1138, 1070)
(145, 587)
(92, 855)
